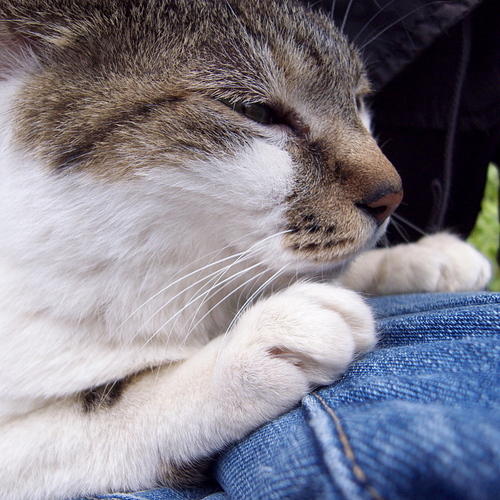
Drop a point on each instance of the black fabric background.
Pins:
(414, 51)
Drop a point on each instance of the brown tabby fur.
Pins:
(146, 78)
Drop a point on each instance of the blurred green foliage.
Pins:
(485, 235)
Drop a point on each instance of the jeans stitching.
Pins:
(349, 452)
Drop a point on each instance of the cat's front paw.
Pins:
(437, 263)
(462, 269)
(293, 341)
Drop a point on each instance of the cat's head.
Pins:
(232, 120)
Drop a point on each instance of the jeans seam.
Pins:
(349, 452)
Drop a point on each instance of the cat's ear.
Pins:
(26, 38)
(16, 54)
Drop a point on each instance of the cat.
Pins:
(182, 185)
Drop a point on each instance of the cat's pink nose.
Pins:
(382, 207)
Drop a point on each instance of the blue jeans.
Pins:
(418, 418)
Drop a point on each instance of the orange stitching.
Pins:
(356, 469)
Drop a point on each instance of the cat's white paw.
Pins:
(465, 269)
(437, 263)
(293, 341)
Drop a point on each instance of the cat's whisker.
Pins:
(384, 241)
(249, 301)
(407, 222)
(207, 294)
(236, 256)
(204, 295)
(237, 19)
(215, 306)
(215, 275)
(368, 23)
(193, 326)
(170, 285)
(238, 261)
(219, 285)
(176, 315)
(332, 10)
(400, 230)
(252, 297)
(390, 25)
(346, 15)
(215, 253)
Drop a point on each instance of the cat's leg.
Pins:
(278, 350)
(437, 263)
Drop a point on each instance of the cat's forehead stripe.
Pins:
(73, 154)
(101, 86)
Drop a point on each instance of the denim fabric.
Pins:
(419, 417)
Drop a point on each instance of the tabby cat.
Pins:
(180, 182)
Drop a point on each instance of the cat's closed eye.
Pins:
(258, 112)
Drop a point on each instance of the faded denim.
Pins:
(418, 418)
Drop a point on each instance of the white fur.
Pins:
(93, 289)
(366, 118)
(69, 320)
(140, 230)
(191, 409)
(437, 263)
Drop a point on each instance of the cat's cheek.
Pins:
(257, 179)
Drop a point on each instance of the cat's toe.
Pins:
(303, 337)
(437, 263)
(464, 269)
